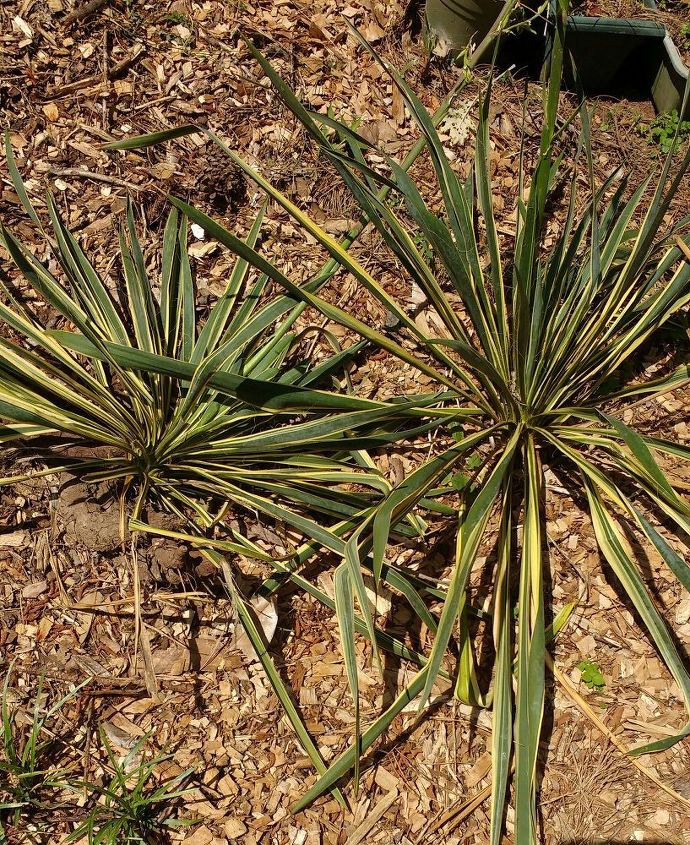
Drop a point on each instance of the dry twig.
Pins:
(83, 11)
(78, 173)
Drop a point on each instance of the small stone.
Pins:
(390, 321)
(661, 818)
(682, 614)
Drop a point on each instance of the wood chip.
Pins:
(14, 540)
(363, 829)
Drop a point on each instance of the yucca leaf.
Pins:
(612, 546)
(470, 533)
(482, 171)
(530, 654)
(474, 295)
(641, 453)
(186, 285)
(344, 608)
(90, 288)
(215, 325)
(673, 560)
(152, 138)
(171, 299)
(139, 295)
(413, 488)
(502, 713)
(17, 182)
(253, 632)
(266, 395)
(346, 761)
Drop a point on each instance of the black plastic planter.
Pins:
(626, 56)
(668, 90)
(616, 57)
(612, 54)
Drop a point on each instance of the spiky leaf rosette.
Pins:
(188, 414)
(194, 416)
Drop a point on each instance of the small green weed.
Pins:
(424, 247)
(28, 776)
(176, 18)
(685, 36)
(352, 125)
(460, 480)
(662, 131)
(475, 460)
(134, 807)
(671, 5)
(591, 675)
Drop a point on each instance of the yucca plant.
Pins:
(189, 417)
(530, 346)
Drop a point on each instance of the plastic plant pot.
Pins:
(459, 22)
(671, 81)
(620, 56)
(613, 55)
